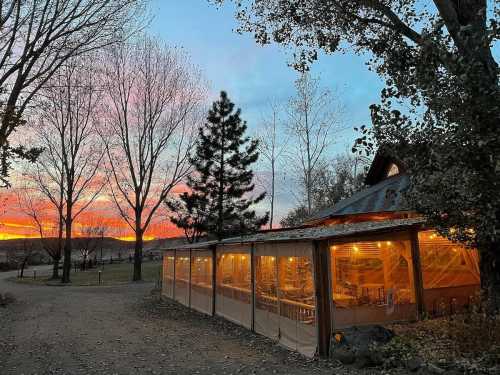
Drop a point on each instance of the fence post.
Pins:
(99, 273)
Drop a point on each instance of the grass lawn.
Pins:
(111, 274)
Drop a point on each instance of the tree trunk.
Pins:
(490, 277)
(138, 255)
(67, 247)
(273, 173)
(55, 269)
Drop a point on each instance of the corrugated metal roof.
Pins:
(312, 233)
(385, 196)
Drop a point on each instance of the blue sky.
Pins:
(252, 74)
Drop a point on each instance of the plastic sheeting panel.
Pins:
(284, 295)
(266, 313)
(372, 282)
(201, 281)
(168, 274)
(297, 305)
(233, 299)
(181, 292)
(450, 274)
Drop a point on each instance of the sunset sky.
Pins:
(251, 74)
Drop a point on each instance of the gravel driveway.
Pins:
(126, 330)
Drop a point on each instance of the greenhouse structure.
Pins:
(365, 261)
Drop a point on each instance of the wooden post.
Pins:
(214, 277)
(252, 283)
(417, 274)
(323, 296)
(173, 281)
(189, 278)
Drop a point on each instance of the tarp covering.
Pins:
(233, 299)
(450, 273)
(181, 292)
(284, 295)
(168, 274)
(372, 282)
(201, 281)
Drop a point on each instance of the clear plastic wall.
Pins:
(284, 295)
(450, 274)
(168, 274)
(233, 299)
(372, 282)
(181, 292)
(201, 281)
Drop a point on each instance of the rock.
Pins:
(413, 364)
(362, 337)
(344, 355)
(368, 358)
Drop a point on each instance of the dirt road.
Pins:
(125, 330)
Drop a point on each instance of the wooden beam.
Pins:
(252, 278)
(323, 296)
(417, 274)
(189, 278)
(173, 281)
(214, 276)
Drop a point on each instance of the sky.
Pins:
(251, 74)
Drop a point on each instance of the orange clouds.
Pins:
(14, 223)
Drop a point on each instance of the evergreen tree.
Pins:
(218, 203)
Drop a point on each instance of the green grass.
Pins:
(111, 274)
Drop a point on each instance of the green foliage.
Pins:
(218, 203)
(437, 62)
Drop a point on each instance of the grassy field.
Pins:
(111, 274)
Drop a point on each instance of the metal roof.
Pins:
(312, 233)
(385, 196)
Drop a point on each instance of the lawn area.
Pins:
(111, 274)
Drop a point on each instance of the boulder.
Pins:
(344, 355)
(368, 358)
(364, 336)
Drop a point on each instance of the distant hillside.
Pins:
(110, 246)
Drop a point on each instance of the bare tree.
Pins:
(92, 238)
(154, 97)
(67, 129)
(33, 203)
(272, 146)
(37, 37)
(314, 120)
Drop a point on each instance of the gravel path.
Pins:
(126, 330)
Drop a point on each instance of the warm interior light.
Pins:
(243, 257)
(379, 245)
(355, 248)
(290, 259)
(389, 243)
(272, 259)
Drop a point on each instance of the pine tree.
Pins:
(218, 202)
